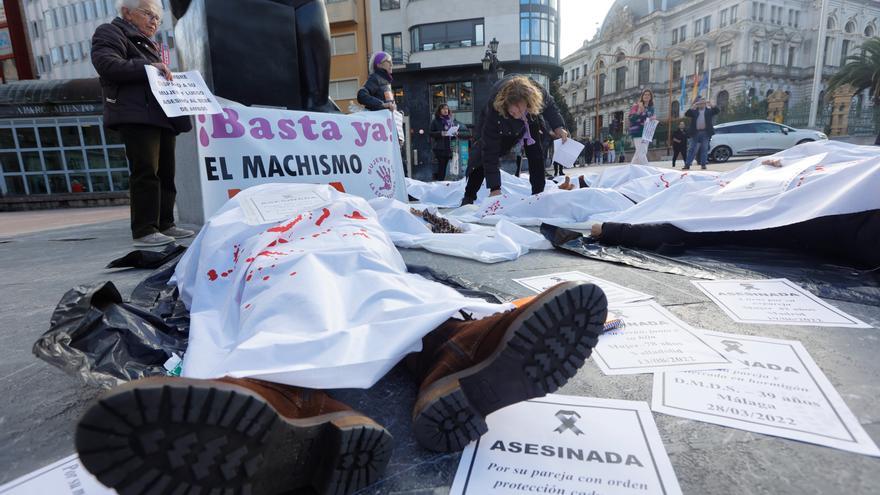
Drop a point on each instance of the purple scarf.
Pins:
(527, 139)
(447, 122)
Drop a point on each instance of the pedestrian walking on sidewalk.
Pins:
(639, 114)
(120, 50)
(679, 144)
(441, 139)
(701, 129)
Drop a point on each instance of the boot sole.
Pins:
(191, 437)
(541, 350)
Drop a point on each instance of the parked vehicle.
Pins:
(756, 137)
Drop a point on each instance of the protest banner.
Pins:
(185, 94)
(64, 476)
(245, 146)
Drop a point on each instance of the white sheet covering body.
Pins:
(503, 242)
(816, 180)
(448, 194)
(321, 299)
(556, 207)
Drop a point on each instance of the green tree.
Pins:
(861, 71)
(556, 94)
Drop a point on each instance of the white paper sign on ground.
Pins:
(186, 94)
(65, 477)
(566, 153)
(782, 392)
(652, 340)
(616, 294)
(283, 205)
(572, 445)
(774, 302)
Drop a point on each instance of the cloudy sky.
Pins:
(580, 20)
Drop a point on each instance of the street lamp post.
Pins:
(490, 60)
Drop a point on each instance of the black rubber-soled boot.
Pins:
(542, 348)
(206, 437)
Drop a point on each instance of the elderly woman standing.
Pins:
(517, 111)
(376, 93)
(639, 114)
(120, 50)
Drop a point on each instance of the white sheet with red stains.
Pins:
(321, 299)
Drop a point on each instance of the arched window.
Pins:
(869, 31)
(722, 100)
(676, 110)
(644, 65)
(620, 57)
(601, 84)
(850, 27)
(830, 24)
(620, 79)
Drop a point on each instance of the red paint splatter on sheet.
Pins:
(272, 244)
(292, 274)
(664, 181)
(266, 277)
(287, 226)
(283, 241)
(356, 216)
(324, 216)
(212, 275)
(247, 306)
(250, 260)
(249, 277)
(493, 208)
(270, 253)
(225, 274)
(235, 253)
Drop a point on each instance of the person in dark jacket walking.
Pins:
(598, 151)
(120, 50)
(700, 131)
(679, 144)
(517, 110)
(441, 140)
(376, 93)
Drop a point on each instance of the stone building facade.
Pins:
(753, 49)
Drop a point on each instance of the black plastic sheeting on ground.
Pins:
(814, 274)
(104, 340)
(143, 258)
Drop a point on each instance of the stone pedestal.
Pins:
(776, 106)
(841, 100)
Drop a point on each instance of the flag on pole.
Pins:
(682, 100)
(709, 90)
(704, 84)
(695, 91)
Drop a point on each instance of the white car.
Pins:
(756, 137)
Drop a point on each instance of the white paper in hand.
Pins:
(186, 94)
(566, 153)
(650, 128)
(452, 131)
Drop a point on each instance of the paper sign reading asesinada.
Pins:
(64, 477)
(571, 445)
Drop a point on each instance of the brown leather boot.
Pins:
(243, 436)
(469, 369)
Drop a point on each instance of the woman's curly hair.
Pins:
(518, 89)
